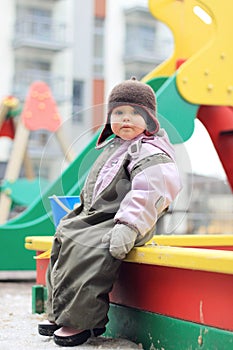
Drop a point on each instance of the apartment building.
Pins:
(54, 41)
(135, 41)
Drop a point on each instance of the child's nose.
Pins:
(126, 117)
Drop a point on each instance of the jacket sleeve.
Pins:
(155, 182)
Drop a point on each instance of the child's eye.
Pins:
(118, 112)
(135, 112)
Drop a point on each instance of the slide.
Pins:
(175, 114)
(37, 219)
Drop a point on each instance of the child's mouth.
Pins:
(126, 126)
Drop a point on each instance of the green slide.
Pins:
(37, 219)
(175, 114)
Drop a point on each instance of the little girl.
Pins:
(131, 183)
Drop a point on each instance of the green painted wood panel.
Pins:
(158, 332)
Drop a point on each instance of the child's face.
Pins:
(127, 123)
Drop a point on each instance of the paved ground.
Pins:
(18, 326)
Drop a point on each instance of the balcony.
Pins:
(41, 33)
(24, 78)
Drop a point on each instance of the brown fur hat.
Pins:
(139, 95)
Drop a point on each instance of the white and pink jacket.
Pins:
(154, 178)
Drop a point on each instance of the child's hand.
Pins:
(121, 240)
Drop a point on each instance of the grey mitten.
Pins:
(121, 239)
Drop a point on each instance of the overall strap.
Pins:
(134, 149)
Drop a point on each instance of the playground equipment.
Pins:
(172, 298)
(197, 79)
(9, 108)
(39, 112)
(175, 292)
(37, 220)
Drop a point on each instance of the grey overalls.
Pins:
(81, 272)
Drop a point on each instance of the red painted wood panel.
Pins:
(197, 296)
(41, 268)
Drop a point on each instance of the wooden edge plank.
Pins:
(193, 240)
(181, 257)
(187, 258)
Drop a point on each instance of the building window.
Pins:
(147, 38)
(35, 66)
(34, 22)
(78, 101)
(27, 71)
(99, 48)
(140, 40)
